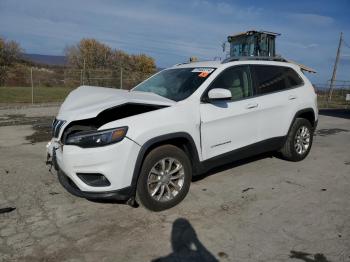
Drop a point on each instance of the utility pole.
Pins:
(83, 74)
(31, 80)
(121, 77)
(121, 73)
(334, 75)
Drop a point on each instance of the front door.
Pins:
(232, 124)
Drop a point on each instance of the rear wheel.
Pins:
(299, 140)
(165, 178)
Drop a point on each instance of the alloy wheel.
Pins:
(166, 179)
(302, 140)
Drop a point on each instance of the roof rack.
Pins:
(263, 58)
(251, 32)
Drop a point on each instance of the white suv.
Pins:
(149, 142)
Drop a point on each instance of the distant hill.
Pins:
(45, 59)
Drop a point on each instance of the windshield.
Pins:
(175, 84)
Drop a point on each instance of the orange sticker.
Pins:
(203, 74)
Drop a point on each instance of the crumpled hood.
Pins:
(88, 101)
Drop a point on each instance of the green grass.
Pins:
(337, 102)
(10, 95)
(41, 94)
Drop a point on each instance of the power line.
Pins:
(346, 44)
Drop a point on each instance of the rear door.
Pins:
(231, 124)
(277, 96)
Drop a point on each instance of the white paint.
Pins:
(220, 126)
(219, 93)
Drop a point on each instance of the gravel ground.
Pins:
(261, 209)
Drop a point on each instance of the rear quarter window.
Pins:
(269, 79)
(293, 77)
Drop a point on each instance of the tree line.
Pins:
(9, 55)
(88, 57)
(90, 54)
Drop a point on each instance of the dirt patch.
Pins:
(22, 119)
(319, 257)
(41, 126)
(247, 189)
(330, 131)
(222, 254)
(7, 210)
(42, 133)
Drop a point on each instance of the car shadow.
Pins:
(107, 201)
(341, 113)
(234, 164)
(186, 245)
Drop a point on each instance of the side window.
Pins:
(293, 78)
(269, 78)
(236, 79)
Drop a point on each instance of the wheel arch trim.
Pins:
(299, 113)
(194, 157)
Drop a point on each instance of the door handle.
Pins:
(250, 106)
(292, 97)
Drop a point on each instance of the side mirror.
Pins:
(219, 94)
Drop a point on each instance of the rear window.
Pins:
(270, 79)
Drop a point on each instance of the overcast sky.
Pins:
(172, 31)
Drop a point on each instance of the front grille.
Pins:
(56, 127)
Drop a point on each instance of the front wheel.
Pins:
(165, 178)
(299, 140)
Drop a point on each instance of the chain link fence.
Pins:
(339, 97)
(39, 85)
(59, 77)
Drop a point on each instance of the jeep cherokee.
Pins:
(148, 142)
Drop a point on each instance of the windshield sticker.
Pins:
(203, 69)
(203, 74)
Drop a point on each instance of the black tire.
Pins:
(289, 151)
(142, 192)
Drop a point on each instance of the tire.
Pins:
(172, 177)
(300, 133)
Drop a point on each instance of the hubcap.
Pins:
(302, 140)
(166, 179)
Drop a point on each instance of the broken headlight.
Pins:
(97, 138)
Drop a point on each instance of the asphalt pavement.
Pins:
(260, 209)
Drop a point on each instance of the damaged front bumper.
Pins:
(115, 163)
(121, 194)
(51, 148)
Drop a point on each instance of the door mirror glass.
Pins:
(219, 94)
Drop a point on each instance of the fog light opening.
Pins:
(94, 179)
